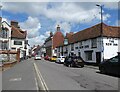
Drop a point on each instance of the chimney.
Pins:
(58, 28)
(51, 34)
(69, 34)
(0, 19)
(14, 23)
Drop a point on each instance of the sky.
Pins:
(41, 18)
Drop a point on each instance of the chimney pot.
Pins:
(14, 23)
(58, 28)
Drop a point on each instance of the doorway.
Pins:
(98, 57)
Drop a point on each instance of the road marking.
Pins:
(15, 79)
(44, 86)
(36, 84)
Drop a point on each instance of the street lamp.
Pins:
(1, 10)
(102, 45)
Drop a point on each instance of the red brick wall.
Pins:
(58, 39)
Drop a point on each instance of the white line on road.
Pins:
(41, 80)
(15, 79)
(36, 84)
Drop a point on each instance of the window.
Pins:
(4, 33)
(76, 47)
(94, 43)
(66, 49)
(17, 42)
(88, 55)
(115, 59)
(55, 50)
(13, 48)
(115, 44)
(3, 45)
(59, 49)
(79, 54)
(80, 44)
(72, 47)
(87, 46)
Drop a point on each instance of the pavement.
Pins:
(91, 66)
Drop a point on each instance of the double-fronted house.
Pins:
(93, 44)
(53, 41)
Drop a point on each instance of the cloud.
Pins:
(32, 25)
(39, 40)
(69, 12)
(62, 13)
(64, 26)
(117, 23)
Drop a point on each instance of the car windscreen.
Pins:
(114, 59)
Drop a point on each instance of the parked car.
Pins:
(74, 62)
(53, 58)
(37, 57)
(47, 57)
(110, 66)
(60, 59)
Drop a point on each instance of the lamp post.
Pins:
(1, 10)
(102, 45)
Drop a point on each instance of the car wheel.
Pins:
(102, 70)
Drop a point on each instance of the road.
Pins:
(20, 77)
(56, 77)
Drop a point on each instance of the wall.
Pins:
(9, 34)
(48, 43)
(10, 56)
(18, 46)
(83, 48)
(110, 50)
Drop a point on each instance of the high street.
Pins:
(27, 75)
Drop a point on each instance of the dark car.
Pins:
(110, 66)
(74, 62)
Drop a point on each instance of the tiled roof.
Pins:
(18, 33)
(94, 31)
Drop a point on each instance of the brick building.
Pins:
(53, 41)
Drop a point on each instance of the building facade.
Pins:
(91, 44)
(5, 34)
(53, 41)
(18, 39)
(13, 38)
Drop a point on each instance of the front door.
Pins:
(98, 57)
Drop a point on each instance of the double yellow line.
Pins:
(41, 83)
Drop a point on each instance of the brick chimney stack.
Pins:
(58, 28)
(51, 34)
(0, 19)
(69, 34)
(14, 23)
